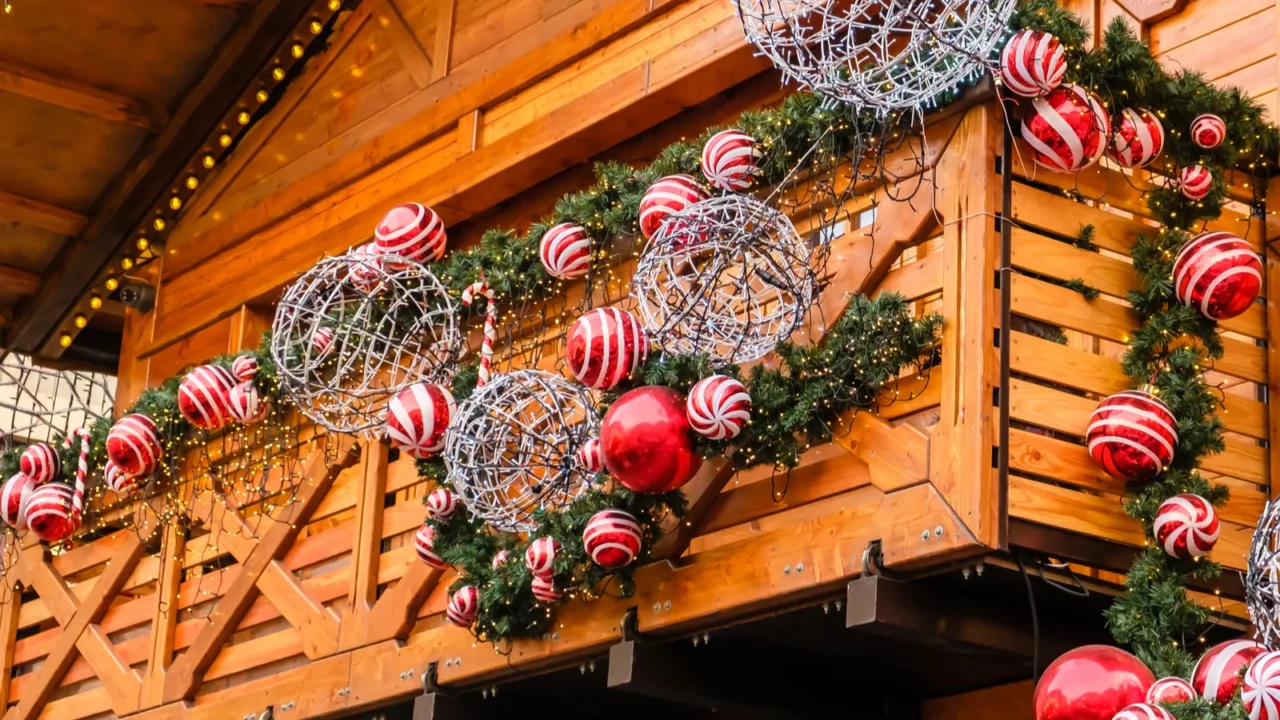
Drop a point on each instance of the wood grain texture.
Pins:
(28, 211)
(73, 95)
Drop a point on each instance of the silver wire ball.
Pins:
(881, 55)
(729, 277)
(512, 447)
(355, 330)
(1262, 578)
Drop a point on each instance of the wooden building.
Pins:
(894, 574)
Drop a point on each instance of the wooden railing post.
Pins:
(164, 619)
(367, 550)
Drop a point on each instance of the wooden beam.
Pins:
(897, 457)
(404, 43)
(27, 211)
(365, 556)
(1150, 11)
(393, 616)
(9, 636)
(77, 96)
(164, 620)
(18, 281)
(442, 59)
(702, 492)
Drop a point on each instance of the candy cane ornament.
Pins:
(82, 468)
(481, 289)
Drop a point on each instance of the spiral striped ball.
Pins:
(246, 405)
(40, 462)
(1137, 138)
(544, 590)
(731, 160)
(1219, 274)
(540, 556)
(244, 368)
(424, 541)
(134, 444)
(590, 456)
(418, 418)
(1218, 673)
(366, 270)
(666, 197)
(51, 514)
(120, 482)
(464, 606)
(321, 343)
(1170, 690)
(1186, 526)
(1208, 131)
(612, 538)
(442, 503)
(1195, 182)
(1032, 63)
(1067, 129)
(14, 495)
(204, 397)
(605, 346)
(1143, 711)
(412, 231)
(1132, 435)
(499, 558)
(1261, 688)
(718, 407)
(565, 251)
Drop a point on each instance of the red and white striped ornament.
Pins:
(14, 495)
(666, 197)
(731, 160)
(1219, 274)
(244, 368)
(1143, 711)
(1137, 138)
(1218, 673)
(204, 397)
(1208, 131)
(1261, 689)
(1170, 690)
(442, 503)
(412, 231)
(481, 289)
(1132, 435)
(118, 480)
(464, 606)
(540, 557)
(246, 405)
(418, 418)
(544, 589)
(366, 267)
(1195, 182)
(134, 444)
(1186, 526)
(1032, 63)
(424, 541)
(321, 343)
(718, 407)
(612, 538)
(40, 462)
(605, 346)
(499, 558)
(565, 250)
(51, 512)
(590, 456)
(1067, 129)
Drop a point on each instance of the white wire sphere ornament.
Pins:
(1262, 577)
(881, 55)
(512, 447)
(354, 331)
(729, 277)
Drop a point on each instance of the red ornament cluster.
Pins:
(647, 441)
(1219, 274)
(605, 346)
(1132, 435)
(418, 418)
(1093, 682)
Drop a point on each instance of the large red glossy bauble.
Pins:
(1093, 682)
(647, 442)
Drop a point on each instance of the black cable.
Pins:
(1035, 621)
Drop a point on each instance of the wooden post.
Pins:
(164, 620)
(443, 56)
(8, 636)
(368, 545)
(1271, 255)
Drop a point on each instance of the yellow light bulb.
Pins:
(297, 50)
(175, 202)
(81, 321)
(334, 5)
(262, 96)
(242, 117)
(65, 340)
(95, 301)
(192, 182)
(158, 224)
(225, 141)
(126, 263)
(112, 284)
(316, 26)
(278, 74)
(208, 161)
(143, 244)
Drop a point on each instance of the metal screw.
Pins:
(937, 532)
(410, 672)
(555, 636)
(826, 608)
(966, 572)
(657, 607)
(799, 567)
(448, 663)
(786, 570)
(706, 638)
(695, 641)
(666, 605)
(924, 535)
(591, 666)
(457, 662)
(979, 568)
(403, 676)
(839, 603)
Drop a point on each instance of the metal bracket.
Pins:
(631, 626)
(430, 678)
(873, 562)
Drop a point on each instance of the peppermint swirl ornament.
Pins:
(1067, 129)
(464, 606)
(133, 443)
(1186, 526)
(1261, 689)
(411, 231)
(540, 556)
(1195, 182)
(203, 397)
(565, 251)
(1138, 138)
(730, 160)
(612, 538)
(1218, 673)
(418, 418)
(544, 590)
(1208, 131)
(665, 198)
(591, 457)
(719, 407)
(321, 342)
(442, 503)
(244, 368)
(1132, 435)
(40, 462)
(14, 495)
(366, 269)
(424, 542)
(1143, 711)
(51, 512)
(1032, 63)
(246, 405)
(499, 558)
(605, 346)
(1219, 274)
(120, 482)
(1170, 690)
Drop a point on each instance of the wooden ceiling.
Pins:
(102, 104)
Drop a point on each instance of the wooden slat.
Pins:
(444, 39)
(368, 543)
(403, 42)
(8, 641)
(164, 619)
(77, 96)
(1038, 208)
(1201, 18)
(17, 281)
(1273, 357)
(28, 211)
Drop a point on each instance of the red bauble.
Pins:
(665, 198)
(134, 444)
(612, 538)
(40, 462)
(1132, 435)
(730, 160)
(590, 457)
(1093, 682)
(1195, 182)
(1138, 138)
(647, 441)
(442, 503)
(204, 397)
(1219, 671)
(244, 368)
(424, 541)
(120, 483)
(719, 407)
(544, 590)
(565, 251)
(464, 606)
(1186, 526)
(1208, 131)
(605, 346)
(1067, 129)
(1143, 711)
(1032, 63)
(51, 514)
(1217, 273)
(246, 405)
(418, 419)
(1170, 690)
(412, 231)
(13, 500)
(540, 557)
(1261, 691)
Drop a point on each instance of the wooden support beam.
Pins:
(442, 58)
(404, 43)
(35, 213)
(18, 281)
(77, 96)
(702, 492)
(393, 616)
(897, 457)
(365, 556)
(8, 636)
(1150, 11)
(187, 671)
(164, 619)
